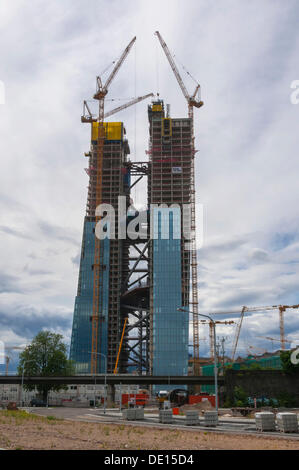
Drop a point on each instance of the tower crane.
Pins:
(89, 117)
(239, 326)
(262, 351)
(279, 340)
(192, 102)
(211, 334)
(101, 92)
(281, 308)
(7, 357)
(226, 322)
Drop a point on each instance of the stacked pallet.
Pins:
(192, 417)
(265, 421)
(287, 422)
(133, 414)
(210, 418)
(165, 416)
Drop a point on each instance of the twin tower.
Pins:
(145, 274)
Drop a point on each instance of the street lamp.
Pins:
(23, 370)
(215, 355)
(105, 357)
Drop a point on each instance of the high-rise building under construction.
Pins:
(169, 266)
(114, 254)
(131, 308)
(145, 279)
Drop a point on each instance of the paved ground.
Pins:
(88, 429)
(244, 426)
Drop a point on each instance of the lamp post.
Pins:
(215, 355)
(105, 357)
(23, 370)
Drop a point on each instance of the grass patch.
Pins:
(19, 415)
(51, 418)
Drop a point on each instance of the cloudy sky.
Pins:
(245, 56)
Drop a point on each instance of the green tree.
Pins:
(252, 366)
(287, 366)
(46, 356)
(240, 397)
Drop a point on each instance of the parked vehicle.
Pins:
(179, 396)
(162, 396)
(37, 402)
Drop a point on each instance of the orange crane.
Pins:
(192, 102)
(102, 90)
(120, 345)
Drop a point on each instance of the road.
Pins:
(243, 426)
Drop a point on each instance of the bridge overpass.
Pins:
(112, 380)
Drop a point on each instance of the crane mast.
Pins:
(97, 271)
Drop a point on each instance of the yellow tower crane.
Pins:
(100, 95)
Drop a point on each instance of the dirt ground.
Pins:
(19, 430)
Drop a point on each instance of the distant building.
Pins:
(266, 361)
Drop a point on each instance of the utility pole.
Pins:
(218, 352)
(223, 353)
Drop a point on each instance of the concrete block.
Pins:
(192, 417)
(133, 414)
(165, 416)
(211, 418)
(287, 422)
(265, 421)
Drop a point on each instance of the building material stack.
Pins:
(165, 416)
(287, 422)
(211, 418)
(133, 414)
(192, 417)
(265, 421)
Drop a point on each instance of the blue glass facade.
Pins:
(170, 326)
(81, 332)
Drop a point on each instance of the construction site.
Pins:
(137, 296)
(131, 287)
(135, 342)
